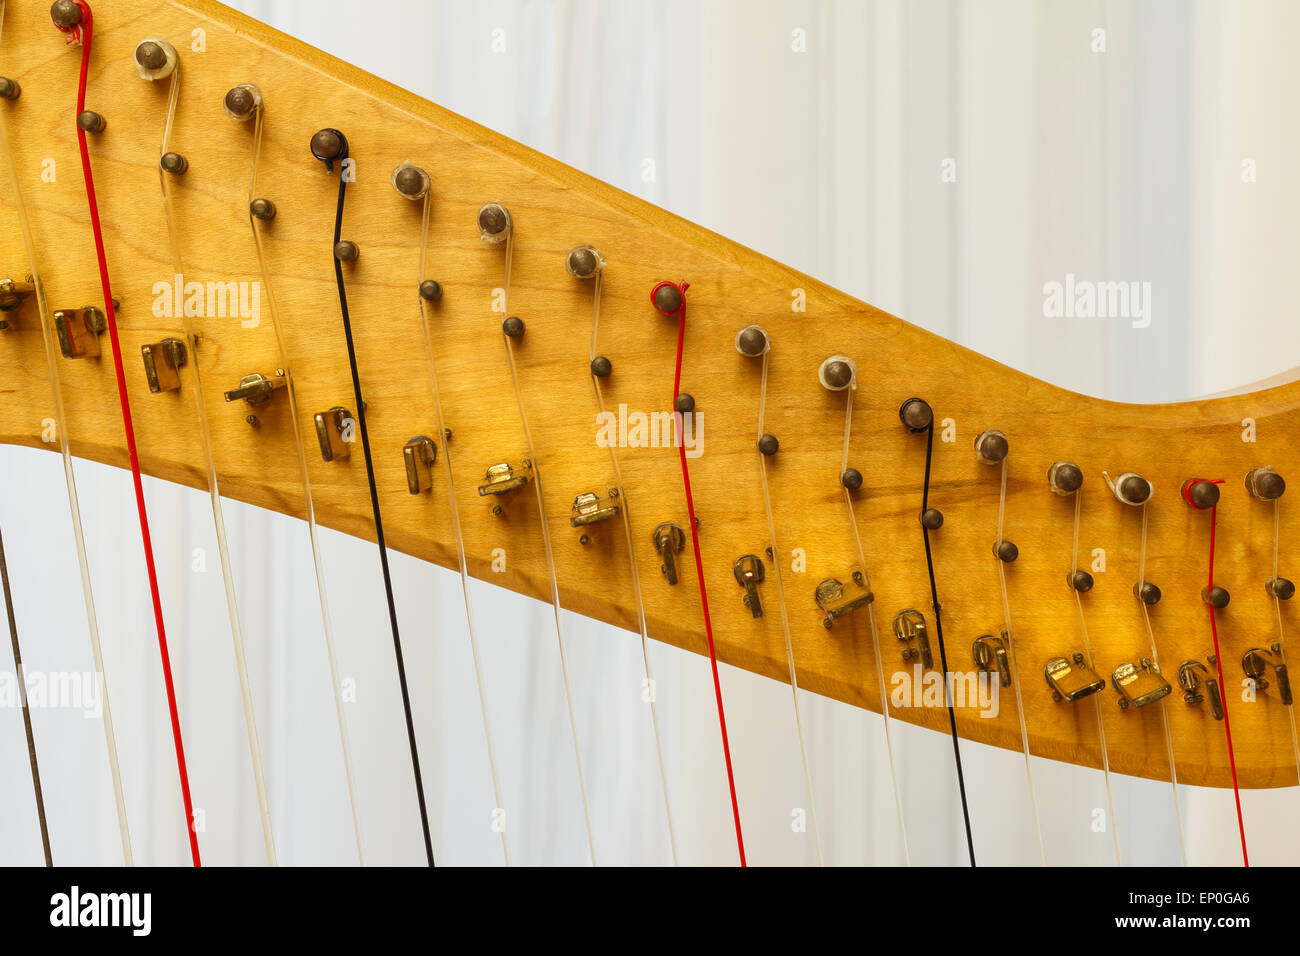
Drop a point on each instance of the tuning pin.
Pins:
(1265, 484)
(916, 414)
(155, 59)
(242, 102)
(837, 373)
(1129, 488)
(753, 341)
(1216, 597)
(411, 182)
(418, 455)
(494, 223)
(1146, 592)
(329, 146)
(584, 262)
(88, 121)
(1200, 494)
(9, 89)
(334, 429)
(1079, 580)
(1280, 588)
(162, 363)
(991, 447)
(1064, 478)
(668, 297)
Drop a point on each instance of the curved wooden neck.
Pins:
(555, 208)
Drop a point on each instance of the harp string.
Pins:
(463, 565)
(1281, 634)
(1164, 711)
(785, 616)
(550, 556)
(850, 393)
(1087, 652)
(636, 578)
(1015, 670)
(214, 490)
(374, 503)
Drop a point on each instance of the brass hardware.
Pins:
(419, 454)
(331, 425)
(79, 331)
(1139, 684)
(1071, 679)
(990, 654)
(748, 570)
(668, 540)
(256, 388)
(1190, 676)
(502, 479)
(589, 508)
(162, 362)
(12, 293)
(829, 593)
(1256, 662)
(909, 626)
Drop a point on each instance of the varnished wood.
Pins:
(555, 208)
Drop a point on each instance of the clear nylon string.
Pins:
(1015, 669)
(550, 557)
(1281, 637)
(636, 578)
(1087, 650)
(291, 396)
(455, 524)
(1164, 713)
(871, 617)
(223, 550)
(785, 617)
(51, 350)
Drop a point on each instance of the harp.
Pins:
(339, 302)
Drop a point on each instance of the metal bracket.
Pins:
(419, 454)
(1190, 676)
(589, 508)
(331, 428)
(1139, 684)
(909, 626)
(748, 570)
(990, 654)
(1071, 679)
(162, 363)
(1256, 662)
(829, 593)
(79, 330)
(502, 479)
(669, 539)
(256, 389)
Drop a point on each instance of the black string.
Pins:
(374, 506)
(943, 654)
(27, 716)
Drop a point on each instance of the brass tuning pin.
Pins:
(256, 389)
(990, 655)
(1256, 662)
(334, 429)
(162, 364)
(419, 454)
(669, 539)
(748, 570)
(1139, 684)
(909, 627)
(1191, 674)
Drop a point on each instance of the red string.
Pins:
(82, 33)
(699, 564)
(1218, 663)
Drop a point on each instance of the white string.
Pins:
(223, 550)
(1015, 669)
(1087, 650)
(1281, 638)
(456, 530)
(92, 622)
(291, 396)
(871, 617)
(1164, 713)
(550, 557)
(785, 618)
(636, 579)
